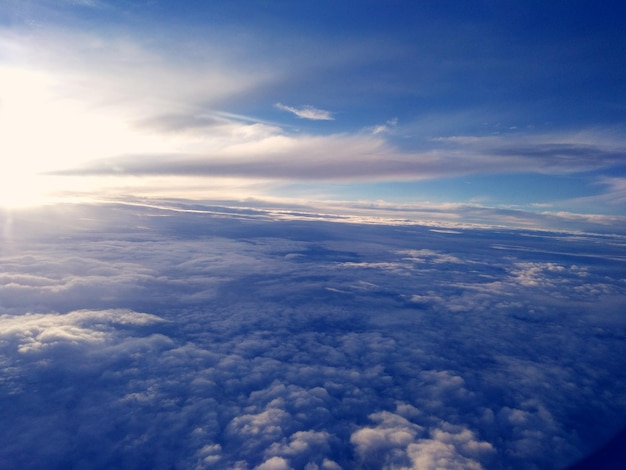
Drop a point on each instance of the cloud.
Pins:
(613, 195)
(274, 463)
(557, 153)
(248, 357)
(36, 333)
(383, 128)
(384, 445)
(113, 101)
(160, 136)
(110, 69)
(101, 93)
(259, 152)
(449, 450)
(454, 216)
(307, 112)
(395, 442)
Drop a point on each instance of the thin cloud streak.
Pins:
(307, 112)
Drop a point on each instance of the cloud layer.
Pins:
(210, 337)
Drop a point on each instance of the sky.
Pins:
(445, 105)
(294, 235)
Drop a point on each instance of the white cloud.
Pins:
(274, 463)
(434, 454)
(385, 444)
(395, 442)
(271, 368)
(153, 113)
(307, 112)
(84, 94)
(244, 159)
(36, 332)
(383, 128)
(113, 112)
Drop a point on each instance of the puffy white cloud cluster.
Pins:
(37, 332)
(306, 345)
(393, 443)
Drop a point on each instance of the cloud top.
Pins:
(281, 343)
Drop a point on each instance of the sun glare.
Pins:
(43, 130)
(22, 191)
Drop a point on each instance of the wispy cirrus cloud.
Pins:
(307, 112)
(383, 128)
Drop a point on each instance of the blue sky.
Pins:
(479, 103)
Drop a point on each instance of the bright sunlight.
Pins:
(43, 131)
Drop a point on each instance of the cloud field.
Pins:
(136, 337)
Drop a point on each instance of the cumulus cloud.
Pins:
(274, 463)
(395, 442)
(307, 112)
(35, 332)
(443, 452)
(384, 445)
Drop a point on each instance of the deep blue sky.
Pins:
(497, 104)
